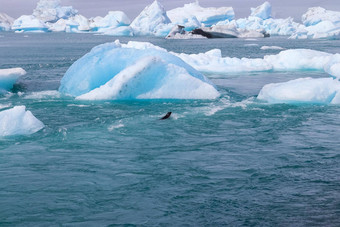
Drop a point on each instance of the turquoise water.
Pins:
(228, 162)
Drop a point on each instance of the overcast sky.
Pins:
(90, 8)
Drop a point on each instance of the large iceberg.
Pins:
(319, 23)
(18, 121)
(153, 20)
(5, 22)
(8, 77)
(135, 70)
(193, 15)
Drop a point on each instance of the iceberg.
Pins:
(8, 77)
(111, 21)
(5, 22)
(135, 70)
(316, 15)
(51, 11)
(153, 20)
(263, 11)
(192, 15)
(319, 23)
(260, 19)
(29, 23)
(303, 90)
(49, 15)
(287, 60)
(18, 121)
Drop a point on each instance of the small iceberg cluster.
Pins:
(194, 20)
(8, 77)
(18, 121)
(135, 70)
(307, 90)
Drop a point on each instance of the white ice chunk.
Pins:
(303, 90)
(8, 77)
(190, 13)
(111, 21)
(271, 48)
(18, 121)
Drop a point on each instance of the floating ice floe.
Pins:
(8, 77)
(18, 121)
(135, 70)
(5, 22)
(194, 16)
(319, 23)
(271, 48)
(303, 90)
(287, 60)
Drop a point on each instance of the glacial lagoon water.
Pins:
(227, 162)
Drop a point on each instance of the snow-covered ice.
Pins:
(18, 121)
(135, 70)
(8, 77)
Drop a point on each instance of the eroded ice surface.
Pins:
(135, 70)
(18, 121)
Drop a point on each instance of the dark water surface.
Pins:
(228, 162)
